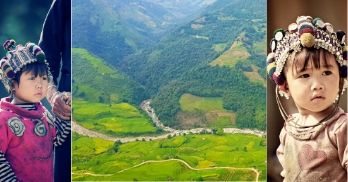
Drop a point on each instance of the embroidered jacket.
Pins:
(27, 139)
(317, 153)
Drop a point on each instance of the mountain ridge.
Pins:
(96, 81)
(180, 62)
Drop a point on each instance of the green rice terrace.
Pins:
(225, 157)
(159, 97)
(179, 156)
(194, 108)
(120, 119)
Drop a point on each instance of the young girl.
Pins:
(309, 65)
(28, 132)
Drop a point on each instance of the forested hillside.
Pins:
(218, 53)
(95, 81)
(113, 29)
(182, 63)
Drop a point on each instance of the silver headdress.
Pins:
(306, 32)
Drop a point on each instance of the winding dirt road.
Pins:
(146, 107)
(87, 132)
(257, 173)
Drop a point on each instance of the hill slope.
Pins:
(96, 81)
(185, 62)
(113, 29)
(219, 54)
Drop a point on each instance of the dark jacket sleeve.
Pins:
(55, 39)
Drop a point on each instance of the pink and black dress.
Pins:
(28, 134)
(315, 153)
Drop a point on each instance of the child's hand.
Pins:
(62, 105)
(67, 98)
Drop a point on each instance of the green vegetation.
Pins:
(179, 172)
(209, 109)
(255, 77)
(190, 103)
(199, 151)
(21, 21)
(182, 62)
(116, 119)
(221, 120)
(239, 95)
(95, 81)
(259, 47)
(104, 98)
(219, 47)
(181, 51)
(86, 145)
(237, 52)
(174, 71)
(113, 30)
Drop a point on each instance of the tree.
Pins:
(117, 145)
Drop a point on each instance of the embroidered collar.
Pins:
(309, 132)
(27, 106)
(5, 104)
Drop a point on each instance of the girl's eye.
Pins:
(304, 76)
(327, 73)
(32, 78)
(44, 78)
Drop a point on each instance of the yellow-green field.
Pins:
(190, 103)
(219, 47)
(207, 108)
(254, 76)
(260, 48)
(120, 119)
(96, 159)
(237, 52)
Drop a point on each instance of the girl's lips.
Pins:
(38, 94)
(317, 97)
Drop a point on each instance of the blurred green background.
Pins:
(22, 21)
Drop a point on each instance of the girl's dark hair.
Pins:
(314, 56)
(36, 68)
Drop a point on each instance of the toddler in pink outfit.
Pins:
(309, 65)
(28, 132)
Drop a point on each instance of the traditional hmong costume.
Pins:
(314, 152)
(28, 132)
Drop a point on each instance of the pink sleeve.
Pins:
(5, 135)
(341, 139)
(338, 137)
(280, 150)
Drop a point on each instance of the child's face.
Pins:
(314, 89)
(31, 89)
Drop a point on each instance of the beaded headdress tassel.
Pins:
(17, 57)
(306, 32)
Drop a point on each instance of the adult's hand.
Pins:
(61, 105)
